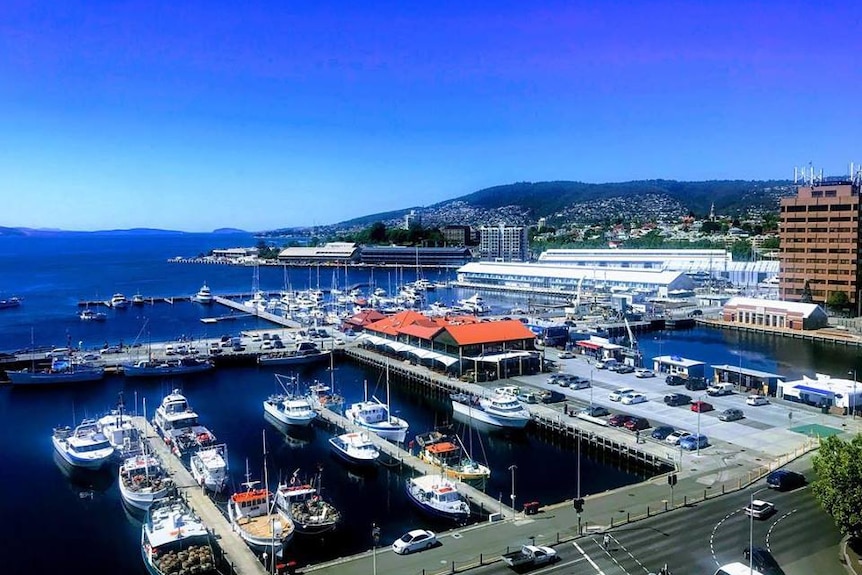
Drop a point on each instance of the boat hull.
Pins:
(94, 460)
(479, 414)
(299, 359)
(170, 371)
(36, 378)
(287, 418)
(340, 449)
(412, 493)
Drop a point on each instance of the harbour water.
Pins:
(76, 522)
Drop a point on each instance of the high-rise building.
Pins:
(455, 235)
(412, 218)
(820, 239)
(504, 243)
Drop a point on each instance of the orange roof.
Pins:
(421, 331)
(489, 332)
(365, 317)
(442, 447)
(393, 324)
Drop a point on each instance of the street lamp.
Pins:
(512, 468)
(699, 409)
(579, 475)
(853, 397)
(751, 529)
(591, 389)
(375, 539)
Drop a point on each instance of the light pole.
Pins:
(699, 409)
(375, 539)
(591, 391)
(751, 529)
(853, 397)
(579, 475)
(512, 468)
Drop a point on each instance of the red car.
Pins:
(636, 423)
(701, 406)
(618, 420)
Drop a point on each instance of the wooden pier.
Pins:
(241, 558)
(276, 319)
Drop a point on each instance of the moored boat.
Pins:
(209, 467)
(121, 433)
(438, 496)
(89, 315)
(85, 446)
(355, 448)
(62, 370)
(137, 299)
(499, 409)
(449, 454)
(170, 367)
(143, 480)
(261, 524)
(376, 416)
(178, 425)
(305, 352)
(305, 504)
(289, 407)
(204, 295)
(119, 301)
(174, 538)
(9, 303)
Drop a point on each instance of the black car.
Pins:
(762, 561)
(674, 380)
(675, 399)
(661, 432)
(696, 384)
(785, 480)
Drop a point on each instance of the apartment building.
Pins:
(504, 243)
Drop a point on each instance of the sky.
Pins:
(204, 114)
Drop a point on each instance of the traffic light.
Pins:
(579, 505)
(671, 479)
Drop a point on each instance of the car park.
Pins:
(759, 509)
(633, 398)
(618, 419)
(675, 437)
(634, 423)
(661, 432)
(756, 400)
(595, 411)
(675, 399)
(643, 373)
(731, 414)
(625, 369)
(785, 480)
(692, 442)
(701, 406)
(415, 540)
(618, 394)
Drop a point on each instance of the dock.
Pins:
(276, 319)
(241, 558)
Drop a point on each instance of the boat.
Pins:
(119, 301)
(9, 303)
(303, 501)
(449, 454)
(85, 446)
(204, 295)
(356, 448)
(62, 370)
(177, 424)
(438, 496)
(167, 368)
(376, 416)
(473, 304)
(209, 467)
(89, 315)
(121, 433)
(289, 408)
(499, 409)
(174, 538)
(305, 352)
(143, 480)
(320, 396)
(137, 299)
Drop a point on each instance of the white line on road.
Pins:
(635, 559)
(771, 527)
(712, 535)
(587, 557)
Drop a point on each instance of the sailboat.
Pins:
(377, 417)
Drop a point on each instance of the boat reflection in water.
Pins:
(294, 437)
(86, 483)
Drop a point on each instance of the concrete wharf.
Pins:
(238, 554)
(276, 319)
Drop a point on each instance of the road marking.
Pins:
(623, 547)
(555, 566)
(771, 527)
(712, 535)
(587, 557)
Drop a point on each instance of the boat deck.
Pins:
(260, 527)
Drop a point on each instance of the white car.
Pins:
(618, 394)
(632, 398)
(674, 437)
(756, 400)
(415, 540)
(644, 373)
(760, 509)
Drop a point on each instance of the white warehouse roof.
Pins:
(593, 275)
(804, 309)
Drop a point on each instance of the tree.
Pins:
(837, 300)
(807, 296)
(838, 467)
(377, 233)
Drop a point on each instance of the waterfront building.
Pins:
(414, 256)
(329, 253)
(824, 391)
(755, 312)
(819, 240)
(235, 254)
(504, 243)
(455, 235)
(761, 382)
(675, 365)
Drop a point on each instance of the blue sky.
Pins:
(200, 114)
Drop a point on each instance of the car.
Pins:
(564, 381)
(634, 423)
(115, 349)
(759, 509)
(785, 480)
(633, 398)
(696, 384)
(762, 561)
(528, 397)
(642, 373)
(266, 344)
(415, 540)
(661, 432)
(618, 420)
(579, 382)
(618, 394)
(731, 414)
(276, 337)
(238, 347)
(567, 355)
(701, 406)
(675, 399)
(692, 442)
(756, 400)
(625, 369)
(674, 380)
(675, 437)
(595, 411)
(277, 344)
(226, 337)
(554, 378)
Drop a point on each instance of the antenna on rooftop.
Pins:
(805, 176)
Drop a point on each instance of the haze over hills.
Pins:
(34, 232)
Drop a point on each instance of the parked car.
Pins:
(633, 398)
(415, 540)
(618, 394)
(759, 509)
(625, 369)
(696, 384)
(701, 406)
(618, 419)
(548, 396)
(731, 414)
(762, 561)
(675, 437)
(277, 344)
(567, 355)
(642, 373)
(564, 381)
(579, 382)
(661, 432)
(720, 389)
(756, 400)
(634, 423)
(692, 442)
(675, 399)
(528, 397)
(595, 411)
(785, 480)
(674, 380)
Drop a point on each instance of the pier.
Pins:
(276, 319)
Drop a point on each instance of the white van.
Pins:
(736, 568)
(608, 363)
(720, 389)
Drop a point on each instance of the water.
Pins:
(83, 513)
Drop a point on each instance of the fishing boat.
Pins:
(119, 301)
(376, 416)
(438, 496)
(304, 502)
(499, 409)
(9, 303)
(62, 370)
(85, 446)
(209, 467)
(143, 480)
(178, 425)
(355, 448)
(204, 295)
(305, 352)
(451, 456)
(167, 368)
(121, 433)
(173, 538)
(137, 299)
(89, 315)
(289, 407)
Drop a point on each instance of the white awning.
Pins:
(498, 357)
(399, 347)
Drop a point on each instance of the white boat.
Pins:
(449, 454)
(376, 416)
(289, 408)
(137, 299)
(143, 480)
(119, 301)
(209, 467)
(311, 514)
(204, 295)
(178, 425)
(499, 409)
(89, 315)
(261, 524)
(438, 496)
(173, 535)
(121, 433)
(85, 446)
(473, 304)
(355, 448)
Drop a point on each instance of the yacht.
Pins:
(473, 304)
(177, 424)
(376, 416)
(143, 480)
(173, 535)
(119, 301)
(355, 448)
(85, 446)
(204, 295)
(438, 496)
(89, 315)
(209, 467)
(499, 409)
(137, 299)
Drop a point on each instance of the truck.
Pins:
(530, 556)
